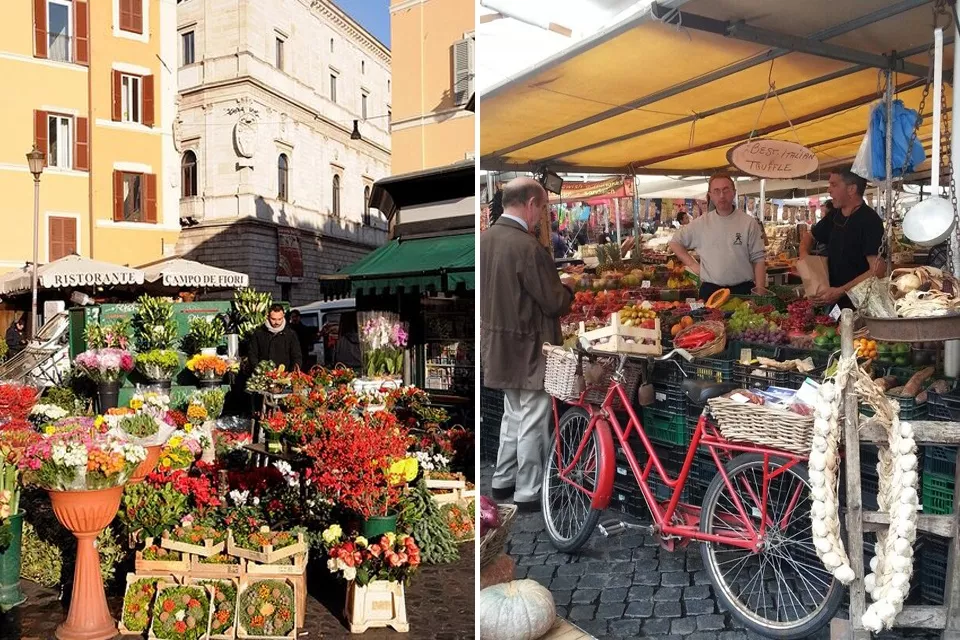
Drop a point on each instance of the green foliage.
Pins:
(423, 518)
(250, 309)
(47, 558)
(154, 325)
(205, 333)
(158, 364)
(212, 400)
(115, 335)
(64, 397)
(4, 349)
(151, 510)
(139, 425)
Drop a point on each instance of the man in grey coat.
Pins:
(520, 309)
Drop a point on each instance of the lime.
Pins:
(901, 361)
(901, 347)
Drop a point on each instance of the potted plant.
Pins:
(107, 368)
(342, 451)
(13, 442)
(384, 340)
(137, 601)
(83, 471)
(208, 369)
(376, 570)
(154, 325)
(204, 336)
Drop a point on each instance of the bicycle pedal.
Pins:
(612, 528)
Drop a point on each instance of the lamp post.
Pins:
(35, 160)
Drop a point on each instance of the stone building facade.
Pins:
(271, 182)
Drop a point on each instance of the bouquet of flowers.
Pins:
(211, 400)
(80, 460)
(383, 338)
(204, 333)
(16, 400)
(112, 336)
(158, 364)
(104, 365)
(181, 613)
(42, 414)
(208, 367)
(269, 378)
(391, 557)
(267, 608)
(332, 377)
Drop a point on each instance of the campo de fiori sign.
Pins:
(207, 280)
(114, 278)
(773, 159)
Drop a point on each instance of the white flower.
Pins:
(349, 573)
(332, 565)
(180, 615)
(256, 502)
(239, 498)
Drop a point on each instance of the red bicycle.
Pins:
(753, 524)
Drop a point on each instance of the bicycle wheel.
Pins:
(783, 591)
(567, 512)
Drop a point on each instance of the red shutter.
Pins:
(40, 135)
(136, 15)
(148, 100)
(55, 238)
(126, 18)
(82, 19)
(149, 197)
(69, 236)
(40, 28)
(118, 196)
(81, 153)
(117, 101)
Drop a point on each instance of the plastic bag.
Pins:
(862, 165)
(872, 298)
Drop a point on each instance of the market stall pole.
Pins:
(888, 168)
(945, 617)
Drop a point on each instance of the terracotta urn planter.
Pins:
(148, 465)
(85, 514)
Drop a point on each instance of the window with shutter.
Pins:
(148, 106)
(132, 97)
(82, 31)
(131, 16)
(62, 234)
(40, 133)
(81, 155)
(40, 28)
(336, 195)
(188, 175)
(59, 141)
(60, 30)
(463, 70)
(129, 198)
(283, 178)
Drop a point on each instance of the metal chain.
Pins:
(946, 134)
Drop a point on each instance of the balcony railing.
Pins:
(59, 47)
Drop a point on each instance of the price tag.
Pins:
(691, 300)
(696, 305)
(835, 312)
(645, 284)
(746, 356)
(660, 396)
(621, 471)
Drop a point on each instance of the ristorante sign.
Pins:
(773, 159)
(230, 280)
(94, 279)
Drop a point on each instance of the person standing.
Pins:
(520, 310)
(275, 341)
(852, 233)
(728, 241)
(14, 337)
(559, 244)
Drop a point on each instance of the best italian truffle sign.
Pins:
(773, 159)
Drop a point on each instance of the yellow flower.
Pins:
(332, 534)
(174, 442)
(187, 427)
(403, 470)
(136, 404)
(391, 537)
(362, 542)
(49, 429)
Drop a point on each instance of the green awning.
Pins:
(441, 263)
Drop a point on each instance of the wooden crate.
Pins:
(268, 555)
(379, 604)
(211, 571)
(161, 586)
(132, 578)
(159, 568)
(233, 628)
(299, 594)
(209, 547)
(295, 573)
(618, 335)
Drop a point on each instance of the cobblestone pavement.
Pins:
(627, 586)
(440, 606)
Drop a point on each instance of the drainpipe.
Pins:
(91, 123)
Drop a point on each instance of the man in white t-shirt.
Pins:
(729, 243)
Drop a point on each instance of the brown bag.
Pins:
(813, 272)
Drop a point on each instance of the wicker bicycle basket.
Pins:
(569, 374)
(599, 373)
(493, 542)
(563, 377)
(712, 348)
(757, 424)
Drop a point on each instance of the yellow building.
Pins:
(432, 43)
(93, 85)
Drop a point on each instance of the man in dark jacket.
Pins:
(523, 300)
(14, 337)
(275, 341)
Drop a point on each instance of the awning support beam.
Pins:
(718, 74)
(740, 30)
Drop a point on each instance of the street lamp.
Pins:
(35, 160)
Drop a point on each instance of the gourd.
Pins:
(518, 610)
(718, 298)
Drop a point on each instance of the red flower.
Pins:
(169, 605)
(180, 626)
(375, 550)
(193, 604)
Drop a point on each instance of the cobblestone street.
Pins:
(627, 586)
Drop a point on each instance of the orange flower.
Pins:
(169, 605)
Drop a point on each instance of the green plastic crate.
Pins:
(665, 427)
(937, 494)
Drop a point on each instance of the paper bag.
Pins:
(813, 271)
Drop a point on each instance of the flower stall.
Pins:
(219, 547)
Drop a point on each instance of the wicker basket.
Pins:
(757, 424)
(493, 542)
(563, 378)
(712, 348)
(597, 377)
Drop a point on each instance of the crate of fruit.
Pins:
(265, 546)
(198, 540)
(619, 337)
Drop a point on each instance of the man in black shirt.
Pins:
(852, 233)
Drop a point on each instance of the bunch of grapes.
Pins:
(799, 316)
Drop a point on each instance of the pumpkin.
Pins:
(718, 298)
(518, 610)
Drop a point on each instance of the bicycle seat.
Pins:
(699, 391)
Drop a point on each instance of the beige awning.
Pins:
(71, 272)
(189, 274)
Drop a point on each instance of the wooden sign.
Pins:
(773, 159)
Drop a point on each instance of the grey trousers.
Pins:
(524, 442)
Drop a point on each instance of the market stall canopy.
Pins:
(441, 263)
(178, 272)
(428, 201)
(672, 88)
(72, 271)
